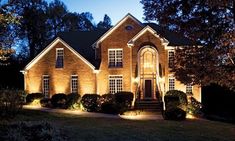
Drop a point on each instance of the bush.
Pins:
(91, 102)
(172, 102)
(73, 101)
(46, 102)
(123, 101)
(10, 102)
(108, 104)
(174, 114)
(37, 131)
(31, 97)
(59, 100)
(194, 107)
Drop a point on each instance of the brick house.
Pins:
(131, 56)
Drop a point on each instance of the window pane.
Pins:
(46, 86)
(115, 58)
(74, 84)
(171, 57)
(171, 84)
(59, 58)
(189, 89)
(115, 83)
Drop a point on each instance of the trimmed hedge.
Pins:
(73, 100)
(173, 94)
(176, 105)
(174, 114)
(31, 97)
(59, 100)
(46, 102)
(123, 101)
(108, 104)
(91, 102)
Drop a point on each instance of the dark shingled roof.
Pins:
(174, 39)
(82, 41)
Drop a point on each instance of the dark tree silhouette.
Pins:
(105, 24)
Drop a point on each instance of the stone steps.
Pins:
(150, 106)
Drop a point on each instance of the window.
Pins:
(171, 56)
(45, 85)
(59, 58)
(171, 83)
(189, 89)
(115, 83)
(115, 57)
(74, 84)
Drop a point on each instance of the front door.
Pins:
(148, 89)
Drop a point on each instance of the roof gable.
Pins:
(49, 47)
(116, 26)
(144, 30)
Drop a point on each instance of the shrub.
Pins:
(46, 102)
(10, 102)
(90, 102)
(194, 107)
(171, 103)
(73, 101)
(174, 114)
(31, 97)
(37, 131)
(108, 104)
(123, 101)
(59, 100)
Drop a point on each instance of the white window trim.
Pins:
(57, 49)
(43, 91)
(71, 83)
(168, 54)
(115, 82)
(115, 59)
(171, 77)
(186, 88)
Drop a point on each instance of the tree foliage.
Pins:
(105, 24)
(8, 19)
(210, 24)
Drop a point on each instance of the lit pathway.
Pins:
(131, 115)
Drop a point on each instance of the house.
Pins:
(131, 56)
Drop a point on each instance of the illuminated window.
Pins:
(59, 58)
(171, 56)
(115, 83)
(171, 83)
(189, 89)
(45, 85)
(115, 57)
(74, 84)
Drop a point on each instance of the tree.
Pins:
(105, 24)
(56, 17)
(34, 26)
(210, 24)
(8, 19)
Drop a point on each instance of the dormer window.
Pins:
(59, 58)
(115, 57)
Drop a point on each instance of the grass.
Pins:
(109, 129)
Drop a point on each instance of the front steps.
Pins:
(148, 105)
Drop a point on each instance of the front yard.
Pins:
(78, 128)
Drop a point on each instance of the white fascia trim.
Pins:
(50, 46)
(115, 27)
(164, 41)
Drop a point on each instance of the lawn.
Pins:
(110, 129)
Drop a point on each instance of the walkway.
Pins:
(130, 115)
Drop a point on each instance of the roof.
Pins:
(82, 41)
(174, 38)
